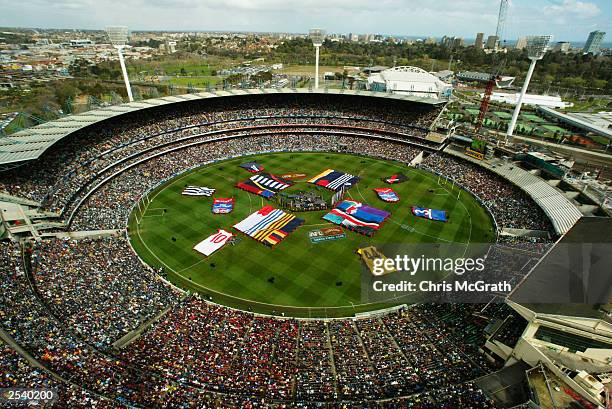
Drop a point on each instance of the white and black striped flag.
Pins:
(198, 191)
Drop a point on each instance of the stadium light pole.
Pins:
(536, 48)
(317, 36)
(118, 37)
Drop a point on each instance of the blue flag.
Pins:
(431, 214)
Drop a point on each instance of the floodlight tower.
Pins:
(536, 48)
(317, 36)
(118, 37)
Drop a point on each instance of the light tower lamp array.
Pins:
(317, 37)
(118, 36)
(536, 48)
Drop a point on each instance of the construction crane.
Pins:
(496, 67)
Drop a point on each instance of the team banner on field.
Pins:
(431, 214)
(334, 180)
(369, 255)
(213, 242)
(252, 167)
(222, 205)
(198, 191)
(264, 184)
(387, 194)
(269, 225)
(357, 216)
(398, 178)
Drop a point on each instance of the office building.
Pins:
(593, 43)
(479, 41)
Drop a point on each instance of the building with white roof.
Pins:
(409, 80)
(531, 99)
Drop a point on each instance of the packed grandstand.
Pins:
(68, 304)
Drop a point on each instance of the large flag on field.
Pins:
(198, 191)
(397, 178)
(357, 216)
(222, 205)
(264, 184)
(431, 214)
(252, 167)
(269, 225)
(369, 255)
(334, 180)
(213, 242)
(387, 194)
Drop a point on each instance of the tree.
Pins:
(79, 68)
(64, 92)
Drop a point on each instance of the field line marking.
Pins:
(193, 265)
(158, 212)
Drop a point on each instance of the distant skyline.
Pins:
(566, 20)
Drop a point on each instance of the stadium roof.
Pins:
(406, 79)
(550, 287)
(576, 121)
(31, 143)
(503, 81)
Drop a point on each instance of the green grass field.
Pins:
(502, 114)
(199, 82)
(306, 275)
(554, 128)
(533, 118)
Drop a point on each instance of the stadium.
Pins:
(118, 292)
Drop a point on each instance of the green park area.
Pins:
(524, 127)
(533, 118)
(554, 128)
(502, 114)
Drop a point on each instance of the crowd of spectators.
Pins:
(99, 287)
(354, 372)
(511, 207)
(395, 373)
(16, 372)
(315, 378)
(200, 353)
(464, 396)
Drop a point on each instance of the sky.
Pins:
(566, 20)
